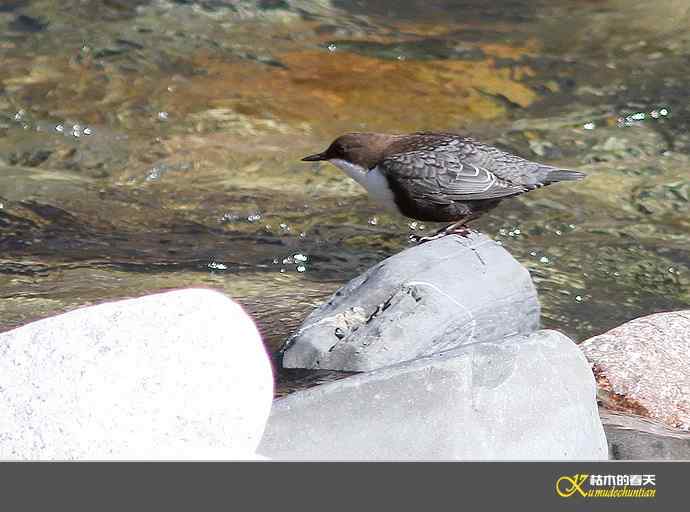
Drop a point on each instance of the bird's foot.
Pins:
(416, 239)
(463, 231)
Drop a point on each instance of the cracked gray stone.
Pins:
(426, 299)
(522, 398)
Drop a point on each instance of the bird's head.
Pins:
(362, 149)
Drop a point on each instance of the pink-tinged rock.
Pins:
(643, 367)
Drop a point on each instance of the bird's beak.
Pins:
(315, 158)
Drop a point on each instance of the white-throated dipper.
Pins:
(437, 177)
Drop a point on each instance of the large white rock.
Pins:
(178, 375)
(526, 397)
(429, 298)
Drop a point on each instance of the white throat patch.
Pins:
(373, 181)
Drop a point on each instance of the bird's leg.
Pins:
(457, 228)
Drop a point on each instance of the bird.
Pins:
(437, 176)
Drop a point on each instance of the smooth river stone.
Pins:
(523, 398)
(178, 375)
(643, 367)
(426, 299)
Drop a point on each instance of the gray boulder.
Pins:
(178, 375)
(638, 438)
(426, 299)
(642, 367)
(524, 397)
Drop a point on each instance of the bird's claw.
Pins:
(416, 239)
(463, 231)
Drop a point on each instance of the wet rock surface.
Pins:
(180, 375)
(526, 397)
(433, 297)
(642, 367)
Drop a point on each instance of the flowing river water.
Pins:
(153, 144)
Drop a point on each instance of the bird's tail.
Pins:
(564, 175)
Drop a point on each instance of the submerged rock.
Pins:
(432, 297)
(525, 397)
(636, 438)
(642, 367)
(179, 375)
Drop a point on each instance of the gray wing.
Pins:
(443, 176)
(510, 168)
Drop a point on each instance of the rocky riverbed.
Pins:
(139, 153)
(137, 156)
(449, 359)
